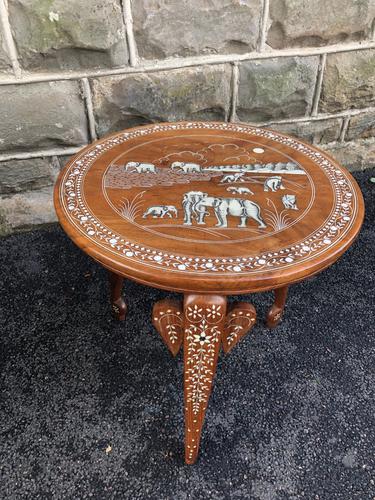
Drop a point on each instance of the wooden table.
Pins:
(208, 210)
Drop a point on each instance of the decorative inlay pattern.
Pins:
(240, 319)
(202, 335)
(332, 231)
(167, 318)
(204, 322)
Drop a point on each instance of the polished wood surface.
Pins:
(276, 211)
(119, 308)
(167, 318)
(240, 319)
(275, 313)
(207, 209)
(204, 318)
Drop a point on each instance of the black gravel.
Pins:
(92, 408)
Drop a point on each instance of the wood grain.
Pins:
(240, 319)
(94, 192)
(275, 313)
(167, 318)
(119, 308)
(204, 319)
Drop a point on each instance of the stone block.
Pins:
(165, 28)
(4, 58)
(315, 132)
(303, 23)
(42, 115)
(68, 34)
(354, 155)
(361, 126)
(201, 93)
(276, 88)
(27, 209)
(27, 175)
(349, 81)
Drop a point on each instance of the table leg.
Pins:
(204, 322)
(119, 307)
(275, 313)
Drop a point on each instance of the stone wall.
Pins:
(74, 70)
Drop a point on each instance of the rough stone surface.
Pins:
(23, 210)
(68, 34)
(316, 132)
(193, 93)
(276, 88)
(42, 115)
(4, 59)
(305, 23)
(355, 155)
(23, 175)
(361, 126)
(349, 81)
(166, 28)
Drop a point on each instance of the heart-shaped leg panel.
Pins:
(167, 318)
(239, 321)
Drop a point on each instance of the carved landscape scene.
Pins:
(221, 192)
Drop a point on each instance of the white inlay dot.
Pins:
(259, 151)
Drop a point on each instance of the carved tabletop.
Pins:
(207, 209)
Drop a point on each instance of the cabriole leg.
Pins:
(119, 307)
(275, 313)
(204, 321)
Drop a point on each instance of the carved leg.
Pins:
(275, 313)
(204, 318)
(119, 307)
(167, 318)
(240, 319)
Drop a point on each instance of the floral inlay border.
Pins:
(334, 229)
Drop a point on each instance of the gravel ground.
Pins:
(92, 408)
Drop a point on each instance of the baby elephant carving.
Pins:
(273, 183)
(186, 168)
(159, 211)
(139, 167)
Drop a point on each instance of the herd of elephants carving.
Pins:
(196, 205)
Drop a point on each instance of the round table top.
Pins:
(208, 207)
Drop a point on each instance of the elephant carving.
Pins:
(160, 211)
(186, 168)
(139, 167)
(196, 204)
(189, 203)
